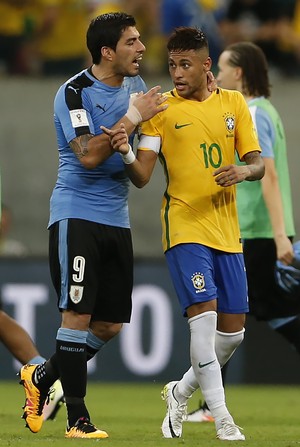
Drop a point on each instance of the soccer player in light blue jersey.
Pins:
(90, 247)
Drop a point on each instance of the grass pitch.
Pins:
(132, 415)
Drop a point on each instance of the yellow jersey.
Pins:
(12, 21)
(67, 36)
(196, 139)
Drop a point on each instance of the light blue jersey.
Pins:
(81, 106)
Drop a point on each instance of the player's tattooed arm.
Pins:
(92, 150)
(80, 145)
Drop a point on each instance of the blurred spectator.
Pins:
(60, 28)
(13, 37)
(289, 39)
(147, 15)
(264, 22)
(99, 7)
(204, 14)
(9, 247)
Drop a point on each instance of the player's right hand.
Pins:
(150, 103)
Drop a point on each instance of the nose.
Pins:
(177, 73)
(142, 47)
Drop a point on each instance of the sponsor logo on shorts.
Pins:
(76, 293)
(198, 281)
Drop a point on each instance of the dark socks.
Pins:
(90, 352)
(46, 374)
(72, 358)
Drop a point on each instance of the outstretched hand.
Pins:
(143, 106)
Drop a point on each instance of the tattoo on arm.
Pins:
(251, 157)
(255, 164)
(80, 145)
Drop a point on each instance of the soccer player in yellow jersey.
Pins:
(196, 138)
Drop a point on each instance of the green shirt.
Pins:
(252, 211)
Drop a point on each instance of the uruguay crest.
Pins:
(76, 293)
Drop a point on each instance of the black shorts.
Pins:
(91, 267)
(266, 299)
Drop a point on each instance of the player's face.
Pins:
(228, 75)
(129, 53)
(188, 72)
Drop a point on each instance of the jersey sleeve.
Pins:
(150, 135)
(71, 113)
(265, 130)
(246, 135)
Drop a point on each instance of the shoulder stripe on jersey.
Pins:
(73, 96)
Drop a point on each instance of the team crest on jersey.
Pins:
(76, 293)
(229, 122)
(198, 282)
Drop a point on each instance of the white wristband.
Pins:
(129, 157)
(134, 115)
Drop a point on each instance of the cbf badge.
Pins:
(229, 122)
(76, 293)
(198, 282)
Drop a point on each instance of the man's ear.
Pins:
(238, 73)
(106, 53)
(207, 64)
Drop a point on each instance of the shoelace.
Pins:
(230, 428)
(180, 415)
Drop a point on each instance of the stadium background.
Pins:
(28, 157)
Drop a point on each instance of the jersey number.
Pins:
(78, 266)
(212, 155)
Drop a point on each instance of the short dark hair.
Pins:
(187, 38)
(105, 31)
(252, 60)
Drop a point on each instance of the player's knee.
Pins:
(231, 339)
(105, 330)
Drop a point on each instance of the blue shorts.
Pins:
(201, 273)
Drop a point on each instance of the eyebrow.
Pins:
(180, 60)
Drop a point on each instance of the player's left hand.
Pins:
(230, 175)
(284, 249)
(118, 138)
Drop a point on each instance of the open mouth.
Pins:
(136, 61)
(180, 86)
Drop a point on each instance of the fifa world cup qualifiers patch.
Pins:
(79, 118)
